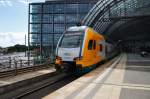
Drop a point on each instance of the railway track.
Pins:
(17, 71)
(47, 83)
(34, 86)
(34, 92)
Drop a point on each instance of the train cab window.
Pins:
(90, 45)
(72, 40)
(94, 45)
(101, 47)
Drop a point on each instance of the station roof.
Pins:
(72, 0)
(120, 19)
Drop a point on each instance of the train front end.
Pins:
(69, 49)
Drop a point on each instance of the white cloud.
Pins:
(2, 2)
(10, 39)
(9, 3)
(25, 2)
(5, 3)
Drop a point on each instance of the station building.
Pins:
(49, 19)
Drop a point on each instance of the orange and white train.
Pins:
(80, 49)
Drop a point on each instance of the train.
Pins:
(80, 49)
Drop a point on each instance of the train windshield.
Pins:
(72, 40)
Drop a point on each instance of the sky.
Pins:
(14, 21)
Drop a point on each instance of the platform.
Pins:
(21, 77)
(127, 78)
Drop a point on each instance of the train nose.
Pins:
(69, 66)
(68, 54)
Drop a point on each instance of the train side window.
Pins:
(94, 45)
(101, 47)
(90, 45)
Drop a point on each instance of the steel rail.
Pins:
(57, 78)
(17, 71)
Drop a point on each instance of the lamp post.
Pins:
(25, 44)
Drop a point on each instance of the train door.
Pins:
(88, 52)
(94, 49)
(90, 48)
(102, 49)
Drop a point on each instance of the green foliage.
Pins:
(17, 48)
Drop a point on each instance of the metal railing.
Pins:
(19, 62)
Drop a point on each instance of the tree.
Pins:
(17, 48)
